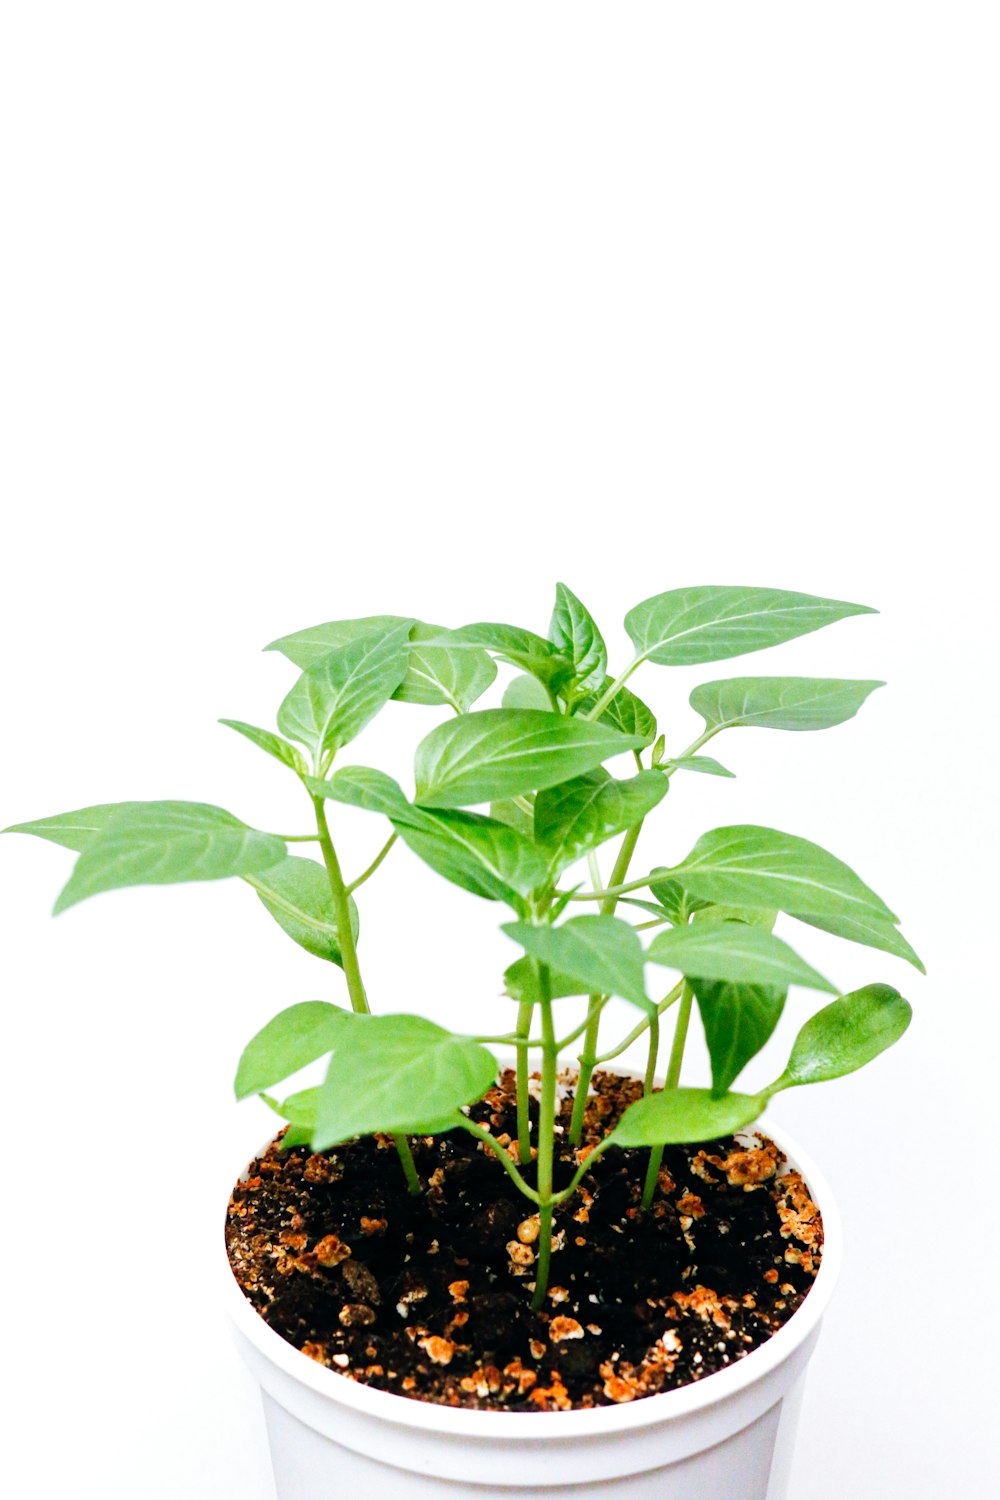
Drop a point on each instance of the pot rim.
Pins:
(665, 1406)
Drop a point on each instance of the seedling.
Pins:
(540, 764)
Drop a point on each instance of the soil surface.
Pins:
(430, 1296)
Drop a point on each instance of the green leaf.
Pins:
(678, 903)
(578, 815)
(625, 712)
(443, 674)
(738, 1020)
(575, 635)
(299, 1110)
(756, 916)
(502, 752)
(736, 952)
(872, 931)
(514, 815)
(703, 763)
(483, 855)
(525, 691)
(521, 648)
(686, 626)
(401, 1074)
(780, 702)
(336, 697)
(161, 843)
(75, 830)
(290, 1041)
(601, 952)
(305, 647)
(297, 894)
(272, 743)
(675, 1117)
(520, 981)
(750, 866)
(845, 1035)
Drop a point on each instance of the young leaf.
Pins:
(845, 1035)
(675, 1117)
(161, 843)
(679, 904)
(872, 931)
(780, 702)
(575, 635)
(401, 1074)
(521, 648)
(625, 712)
(290, 1040)
(524, 691)
(738, 1020)
(736, 952)
(273, 744)
(502, 752)
(480, 854)
(602, 953)
(299, 1110)
(520, 982)
(75, 830)
(578, 815)
(336, 697)
(443, 674)
(515, 816)
(305, 647)
(297, 894)
(703, 763)
(687, 626)
(750, 866)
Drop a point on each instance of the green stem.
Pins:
(498, 1151)
(612, 689)
(524, 1014)
(638, 1030)
(546, 1136)
(380, 856)
(670, 1082)
(653, 1053)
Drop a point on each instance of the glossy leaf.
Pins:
(336, 697)
(443, 674)
(520, 982)
(521, 648)
(304, 647)
(603, 953)
(846, 1035)
(502, 752)
(675, 1117)
(872, 931)
(297, 894)
(161, 843)
(401, 1074)
(794, 703)
(290, 1041)
(273, 744)
(483, 855)
(577, 816)
(703, 763)
(519, 818)
(734, 951)
(678, 903)
(746, 865)
(574, 634)
(625, 712)
(738, 1020)
(686, 626)
(75, 830)
(525, 691)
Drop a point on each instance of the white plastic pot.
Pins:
(728, 1436)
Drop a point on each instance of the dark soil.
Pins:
(430, 1296)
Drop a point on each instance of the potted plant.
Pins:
(461, 1262)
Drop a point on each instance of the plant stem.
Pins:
(588, 1055)
(297, 838)
(524, 1014)
(349, 956)
(612, 689)
(669, 999)
(380, 856)
(614, 891)
(670, 1082)
(546, 1136)
(483, 1135)
(653, 1053)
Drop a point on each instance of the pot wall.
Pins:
(729, 1435)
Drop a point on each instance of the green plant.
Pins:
(539, 761)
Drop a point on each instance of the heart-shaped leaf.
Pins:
(503, 752)
(574, 634)
(600, 952)
(402, 1075)
(297, 894)
(675, 1117)
(846, 1035)
(290, 1041)
(686, 626)
(780, 702)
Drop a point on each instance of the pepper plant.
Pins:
(539, 763)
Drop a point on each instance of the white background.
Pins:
(315, 311)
